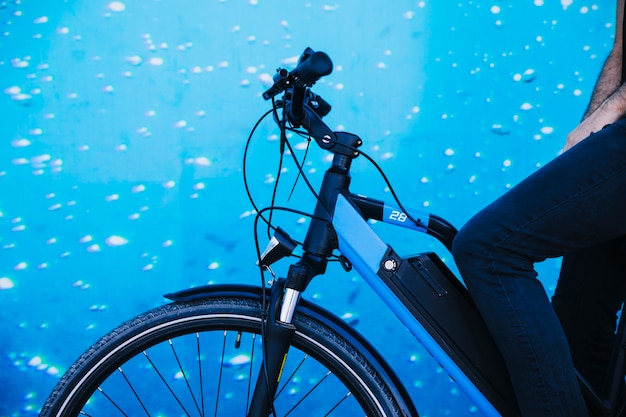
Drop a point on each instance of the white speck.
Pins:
(408, 15)
(156, 61)
(112, 197)
(577, 92)
(20, 143)
(180, 123)
(21, 266)
(133, 60)
(42, 19)
(495, 9)
(18, 63)
(85, 239)
(526, 106)
(546, 130)
(54, 207)
(94, 248)
(223, 64)
(449, 152)
(266, 79)
(108, 89)
(53, 370)
(506, 163)
(138, 188)
(566, 3)
(199, 186)
(35, 361)
(213, 265)
(202, 161)
(169, 184)
(6, 283)
(13, 90)
(147, 267)
(116, 6)
(116, 240)
(167, 244)
(239, 360)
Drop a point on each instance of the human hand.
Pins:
(601, 117)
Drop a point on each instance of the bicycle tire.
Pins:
(326, 374)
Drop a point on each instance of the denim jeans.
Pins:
(575, 207)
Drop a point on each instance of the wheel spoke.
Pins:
(198, 352)
(132, 388)
(182, 371)
(219, 379)
(308, 393)
(250, 372)
(165, 383)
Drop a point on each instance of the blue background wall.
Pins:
(122, 134)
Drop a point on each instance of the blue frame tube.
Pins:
(365, 250)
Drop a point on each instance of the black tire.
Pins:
(183, 359)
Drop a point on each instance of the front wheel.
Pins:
(202, 357)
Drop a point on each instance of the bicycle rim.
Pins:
(203, 359)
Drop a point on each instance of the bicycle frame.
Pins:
(369, 255)
(420, 290)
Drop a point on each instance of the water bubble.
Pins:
(156, 61)
(117, 6)
(238, 361)
(53, 370)
(20, 266)
(35, 361)
(20, 143)
(42, 19)
(94, 248)
(6, 283)
(116, 241)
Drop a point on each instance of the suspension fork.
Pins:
(279, 330)
(276, 340)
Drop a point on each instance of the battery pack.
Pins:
(442, 304)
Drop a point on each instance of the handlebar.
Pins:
(311, 67)
(298, 98)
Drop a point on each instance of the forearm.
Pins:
(608, 81)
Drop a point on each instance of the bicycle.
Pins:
(271, 352)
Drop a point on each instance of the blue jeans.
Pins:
(575, 207)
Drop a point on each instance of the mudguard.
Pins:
(320, 314)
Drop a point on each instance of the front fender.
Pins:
(313, 310)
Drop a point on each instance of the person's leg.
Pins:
(577, 200)
(588, 296)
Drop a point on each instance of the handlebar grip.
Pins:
(314, 67)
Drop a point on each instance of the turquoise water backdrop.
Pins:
(124, 123)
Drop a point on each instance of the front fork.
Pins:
(278, 330)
